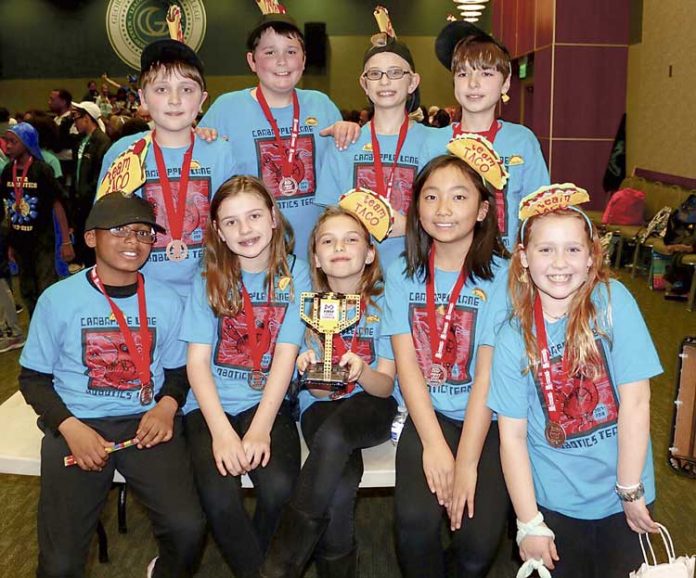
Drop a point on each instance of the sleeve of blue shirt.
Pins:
(198, 324)
(508, 390)
(173, 348)
(328, 182)
(293, 328)
(42, 348)
(396, 302)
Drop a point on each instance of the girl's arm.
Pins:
(257, 441)
(227, 447)
(518, 479)
(438, 461)
(377, 381)
(634, 435)
(477, 422)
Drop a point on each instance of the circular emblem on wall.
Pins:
(133, 24)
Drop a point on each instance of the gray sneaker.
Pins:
(11, 342)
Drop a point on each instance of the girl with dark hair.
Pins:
(338, 424)
(571, 385)
(243, 328)
(444, 301)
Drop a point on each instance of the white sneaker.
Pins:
(151, 567)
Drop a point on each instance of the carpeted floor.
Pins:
(669, 323)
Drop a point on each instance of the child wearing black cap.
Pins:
(103, 364)
(385, 157)
(481, 71)
(31, 195)
(275, 127)
(176, 171)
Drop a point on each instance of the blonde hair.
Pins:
(581, 350)
(222, 271)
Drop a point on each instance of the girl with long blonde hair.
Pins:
(570, 384)
(242, 325)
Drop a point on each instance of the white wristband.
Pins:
(533, 528)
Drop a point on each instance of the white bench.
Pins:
(20, 448)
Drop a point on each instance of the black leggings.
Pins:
(241, 541)
(419, 516)
(605, 548)
(336, 432)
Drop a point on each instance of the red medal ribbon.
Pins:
(140, 358)
(339, 344)
(254, 350)
(19, 186)
(175, 215)
(437, 343)
(552, 408)
(288, 153)
(382, 190)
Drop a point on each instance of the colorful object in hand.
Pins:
(71, 461)
(479, 154)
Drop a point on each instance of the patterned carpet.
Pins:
(130, 553)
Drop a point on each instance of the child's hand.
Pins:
(539, 548)
(157, 425)
(463, 492)
(229, 454)
(344, 133)
(355, 365)
(88, 447)
(638, 516)
(257, 447)
(207, 134)
(305, 359)
(438, 465)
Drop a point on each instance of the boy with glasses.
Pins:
(103, 364)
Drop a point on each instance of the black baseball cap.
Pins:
(169, 51)
(383, 43)
(453, 33)
(118, 209)
(278, 21)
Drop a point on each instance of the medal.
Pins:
(287, 186)
(146, 394)
(385, 189)
(176, 250)
(555, 434)
(140, 356)
(257, 380)
(438, 375)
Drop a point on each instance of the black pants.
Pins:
(72, 499)
(419, 516)
(242, 541)
(605, 548)
(37, 269)
(336, 432)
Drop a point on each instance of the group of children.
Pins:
(494, 409)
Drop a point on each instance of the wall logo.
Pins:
(132, 24)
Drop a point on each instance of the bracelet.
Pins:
(628, 488)
(67, 243)
(630, 494)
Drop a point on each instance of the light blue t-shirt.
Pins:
(370, 345)
(230, 361)
(238, 118)
(354, 168)
(577, 479)
(521, 154)
(479, 312)
(74, 336)
(211, 165)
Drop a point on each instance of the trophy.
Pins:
(329, 316)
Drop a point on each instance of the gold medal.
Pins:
(287, 186)
(146, 394)
(555, 434)
(257, 380)
(438, 375)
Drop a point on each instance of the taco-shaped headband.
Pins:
(479, 154)
(550, 198)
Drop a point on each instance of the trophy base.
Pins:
(315, 378)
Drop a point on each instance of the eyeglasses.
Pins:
(392, 73)
(141, 235)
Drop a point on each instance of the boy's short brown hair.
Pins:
(184, 69)
(167, 55)
(281, 24)
(481, 51)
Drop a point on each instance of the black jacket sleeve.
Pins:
(176, 385)
(37, 389)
